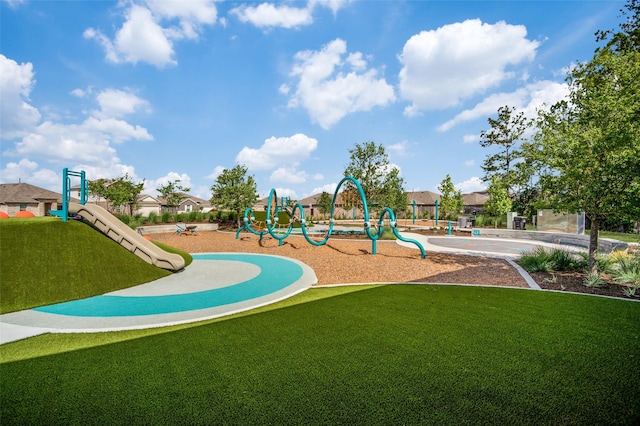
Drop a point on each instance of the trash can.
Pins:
(462, 222)
(519, 223)
(473, 221)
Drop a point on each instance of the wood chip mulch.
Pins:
(351, 261)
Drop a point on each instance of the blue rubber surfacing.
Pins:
(276, 273)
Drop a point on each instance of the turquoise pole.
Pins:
(414, 212)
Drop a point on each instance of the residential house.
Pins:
(15, 197)
(188, 203)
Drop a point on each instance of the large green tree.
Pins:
(381, 182)
(451, 202)
(173, 193)
(234, 191)
(589, 145)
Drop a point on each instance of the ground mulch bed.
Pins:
(342, 261)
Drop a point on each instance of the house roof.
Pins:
(187, 197)
(26, 193)
(423, 197)
(475, 199)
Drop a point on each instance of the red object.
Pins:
(24, 213)
(148, 238)
(3, 215)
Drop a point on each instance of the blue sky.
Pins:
(166, 90)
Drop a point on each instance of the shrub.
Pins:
(627, 271)
(567, 261)
(538, 260)
(153, 218)
(124, 218)
(594, 281)
(166, 217)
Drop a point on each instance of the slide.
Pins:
(121, 233)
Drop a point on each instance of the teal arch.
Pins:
(373, 231)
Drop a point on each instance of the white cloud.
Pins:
(401, 149)
(117, 103)
(191, 15)
(330, 87)
(470, 163)
(146, 36)
(329, 188)
(443, 66)
(285, 192)
(334, 5)
(217, 171)
(151, 185)
(473, 184)
(470, 138)
(288, 174)
(267, 15)
(288, 151)
(16, 114)
(527, 99)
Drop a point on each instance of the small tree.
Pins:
(506, 133)
(499, 202)
(173, 193)
(324, 203)
(98, 189)
(451, 202)
(380, 182)
(234, 191)
(123, 192)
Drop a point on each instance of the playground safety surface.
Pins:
(214, 285)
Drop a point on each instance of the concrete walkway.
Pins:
(214, 285)
(477, 246)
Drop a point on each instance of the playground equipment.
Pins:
(280, 232)
(111, 226)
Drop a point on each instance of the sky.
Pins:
(181, 90)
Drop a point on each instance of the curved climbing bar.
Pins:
(373, 231)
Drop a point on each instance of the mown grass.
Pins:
(45, 261)
(396, 354)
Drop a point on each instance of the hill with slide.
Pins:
(122, 234)
(45, 261)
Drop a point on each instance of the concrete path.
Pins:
(477, 246)
(214, 285)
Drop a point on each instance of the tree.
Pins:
(450, 200)
(506, 132)
(98, 189)
(122, 191)
(499, 202)
(380, 181)
(590, 144)
(325, 203)
(173, 193)
(234, 191)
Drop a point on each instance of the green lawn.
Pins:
(45, 261)
(396, 354)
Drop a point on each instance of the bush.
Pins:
(166, 217)
(538, 260)
(153, 218)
